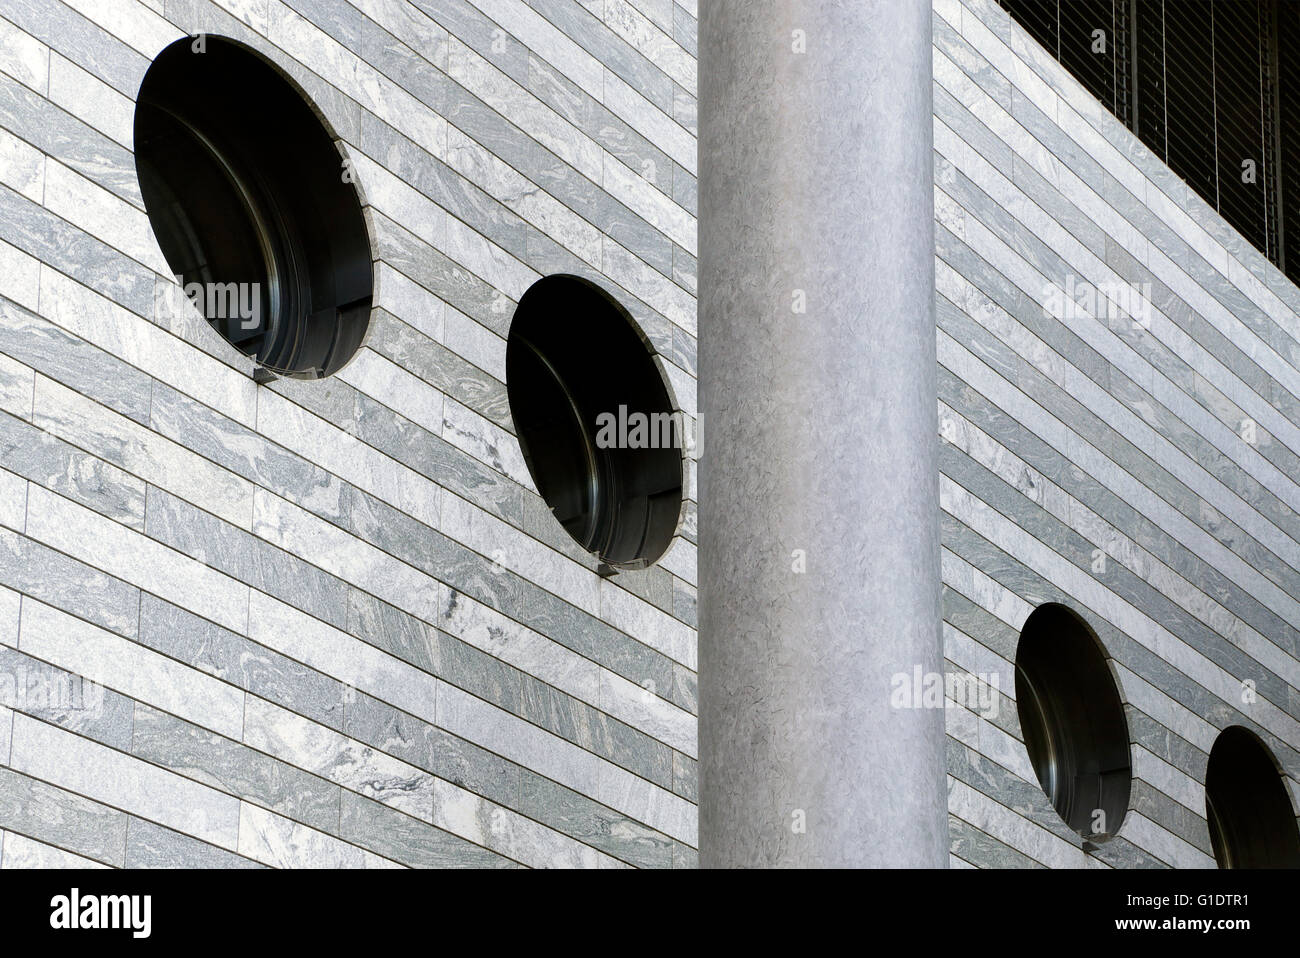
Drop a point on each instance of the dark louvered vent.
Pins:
(1094, 47)
(1212, 87)
(1284, 55)
(1148, 115)
(1042, 20)
(1090, 37)
(1189, 94)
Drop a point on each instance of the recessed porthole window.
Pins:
(595, 421)
(1073, 721)
(1252, 823)
(253, 207)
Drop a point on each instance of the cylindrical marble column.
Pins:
(819, 512)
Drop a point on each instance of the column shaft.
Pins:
(819, 513)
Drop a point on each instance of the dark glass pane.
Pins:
(1239, 118)
(1149, 104)
(1040, 18)
(1286, 52)
(1189, 96)
(1092, 46)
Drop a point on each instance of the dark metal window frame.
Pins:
(1247, 808)
(573, 356)
(1072, 721)
(248, 195)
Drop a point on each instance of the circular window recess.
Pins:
(595, 421)
(1073, 721)
(253, 207)
(1252, 823)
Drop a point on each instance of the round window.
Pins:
(1252, 823)
(595, 421)
(1073, 721)
(253, 207)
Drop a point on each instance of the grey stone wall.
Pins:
(1138, 466)
(333, 622)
